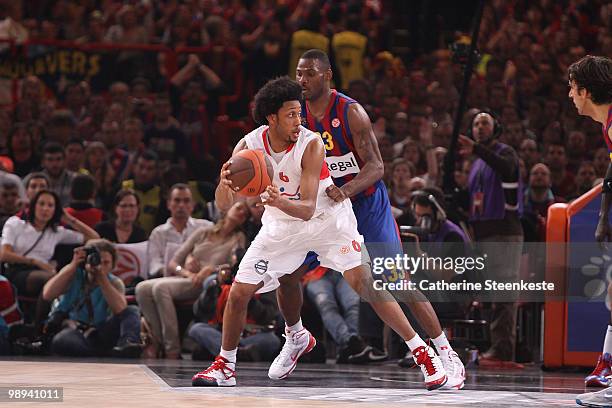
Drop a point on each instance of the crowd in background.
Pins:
(113, 156)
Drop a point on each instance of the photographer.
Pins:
(258, 342)
(92, 316)
(496, 200)
(441, 237)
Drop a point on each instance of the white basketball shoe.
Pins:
(296, 345)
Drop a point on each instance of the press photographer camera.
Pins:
(80, 324)
(92, 256)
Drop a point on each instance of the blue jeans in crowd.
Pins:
(338, 305)
(209, 338)
(117, 330)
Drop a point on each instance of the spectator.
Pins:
(95, 29)
(538, 197)
(21, 150)
(253, 225)
(122, 228)
(61, 126)
(338, 306)
(168, 237)
(28, 245)
(513, 134)
(9, 200)
(92, 316)
(82, 195)
(576, 150)
(495, 202)
(163, 135)
(96, 164)
(128, 31)
(6, 175)
(33, 183)
(54, 166)
(145, 184)
(189, 94)
(75, 99)
(74, 152)
(133, 132)
(308, 37)
(412, 153)
(529, 153)
(197, 258)
(562, 180)
(402, 171)
(92, 123)
(349, 47)
(10, 314)
(269, 58)
(585, 179)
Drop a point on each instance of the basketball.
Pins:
(251, 172)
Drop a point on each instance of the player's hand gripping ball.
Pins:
(250, 172)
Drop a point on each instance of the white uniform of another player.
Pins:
(284, 241)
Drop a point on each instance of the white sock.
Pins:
(441, 343)
(295, 328)
(415, 343)
(608, 341)
(229, 355)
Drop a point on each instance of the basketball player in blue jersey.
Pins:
(356, 166)
(590, 82)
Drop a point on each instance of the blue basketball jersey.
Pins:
(342, 159)
(371, 206)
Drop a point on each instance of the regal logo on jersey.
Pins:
(340, 166)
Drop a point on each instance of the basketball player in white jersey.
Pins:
(299, 218)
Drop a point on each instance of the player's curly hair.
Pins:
(595, 75)
(272, 95)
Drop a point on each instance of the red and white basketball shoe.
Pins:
(431, 367)
(600, 375)
(296, 345)
(455, 371)
(221, 373)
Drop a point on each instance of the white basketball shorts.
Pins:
(280, 247)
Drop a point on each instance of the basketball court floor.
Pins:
(160, 383)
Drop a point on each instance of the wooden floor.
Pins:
(159, 383)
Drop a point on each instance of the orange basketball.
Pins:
(251, 172)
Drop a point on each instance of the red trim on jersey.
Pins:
(342, 104)
(324, 171)
(264, 135)
(332, 99)
(310, 120)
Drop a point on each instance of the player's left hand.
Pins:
(270, 197)
(336, 193)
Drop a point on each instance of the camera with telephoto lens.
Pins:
(92, 256)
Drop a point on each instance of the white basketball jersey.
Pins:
(288, 171)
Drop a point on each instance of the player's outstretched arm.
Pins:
(603, 233)
(367, 149)
(304, 208)
(225, 194)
